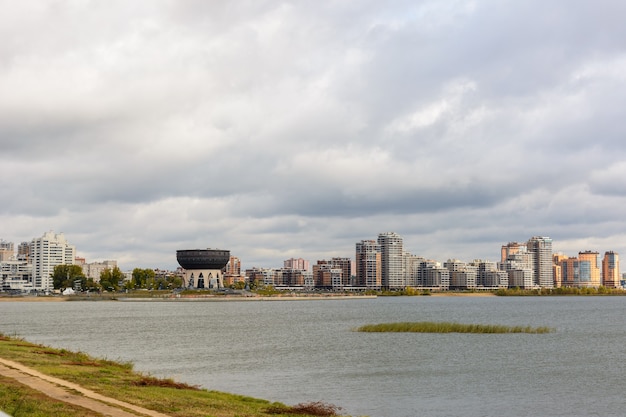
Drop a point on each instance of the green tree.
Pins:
(173, 281)
(142, 278)
(90, 285)
(63, 276)
(110, 279)
(239, 285)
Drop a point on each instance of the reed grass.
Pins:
(448, 327)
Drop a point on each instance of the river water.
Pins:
(300, 351)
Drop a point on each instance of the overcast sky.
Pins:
(296, 129)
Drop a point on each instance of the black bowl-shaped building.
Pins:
(191, 259)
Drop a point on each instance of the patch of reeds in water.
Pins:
(448, 327)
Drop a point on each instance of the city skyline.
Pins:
(378, 264)
(284, 130)
(378, 246)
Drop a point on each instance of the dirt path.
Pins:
(65, 391)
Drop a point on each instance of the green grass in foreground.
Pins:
(20, 401)
(118, 380)
(447, 327)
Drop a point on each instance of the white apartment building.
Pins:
(489, 276)
(94, 269)
(462, 275)
(47, 252)
(541, 248)
(521, 278)
(412, 264)
(392, 268)
(519, 267)
(16, 275)
(434, 276)
(368, 264)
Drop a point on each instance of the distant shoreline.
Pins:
(31, 298)
(259, 298)
(184, 298)
(212, 298)
(462, 294)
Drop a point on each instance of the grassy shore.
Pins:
(448, 327)
(118, 380)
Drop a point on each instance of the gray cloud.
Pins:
(282, 129)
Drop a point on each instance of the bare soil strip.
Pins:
(61, 390)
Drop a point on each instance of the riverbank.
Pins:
(462, 294)
(220, 298)
(14, 298)
(209, 298)
(39, 381)
(183, 298)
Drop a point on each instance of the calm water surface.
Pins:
(296, 351)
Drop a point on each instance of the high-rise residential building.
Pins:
(232, 271)
(299, 263)
(582, 271)
(7, 250)
(391, 251)
(321, 279)
(519, 267)
(557, 270)
(462, 275)
(290, 277)
(511, 248)
(434, 276)
(412, 268)
(335, 274)
(489, 276)
(47, 252)
(233, 267)
(541, 248)
(327, 275)
(521, 278)
(368, 264)
(346, 266)
(610, 270)
(23, 251)
(590, 270)
(93, 270)
(576, 273)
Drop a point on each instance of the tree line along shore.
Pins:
(278, 294)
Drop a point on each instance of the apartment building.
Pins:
(7, 250)
(489, 276)
(391, 251)
(297, 263)
(93, 270)
(368, 264)
(433, 276)
(610, 270)
(541, 248)
(518, 265)
(47, 252)
(15, 274)
(462, 275)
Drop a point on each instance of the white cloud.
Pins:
(431, 113)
